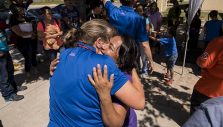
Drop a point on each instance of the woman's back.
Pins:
(74, 101)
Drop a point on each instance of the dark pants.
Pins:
(28, 48)
(196, 99)
(7, 81)
(51, 54)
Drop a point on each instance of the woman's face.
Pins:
(114, 47)
(154, 7)
(48, 15)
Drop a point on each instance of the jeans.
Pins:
(7, 81)
(51, 54)
(170, 61)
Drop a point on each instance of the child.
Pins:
(170, 52)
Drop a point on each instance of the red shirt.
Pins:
(211, 83)
(58, 43)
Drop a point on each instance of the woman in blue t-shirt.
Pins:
(73, 100)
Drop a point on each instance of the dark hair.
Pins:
(213, 14)
(96, 4)
(16, 10)
(126, 2)
(69, 38)
(172, 31)
(128, 55)
(45, 9)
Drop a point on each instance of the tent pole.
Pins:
(185, 51)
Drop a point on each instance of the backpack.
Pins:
(51, 43)
(44, 26)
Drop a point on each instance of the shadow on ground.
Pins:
(42, 68)
(164, 103)
(1, 124)
(43, 74)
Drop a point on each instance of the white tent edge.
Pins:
(194, 6)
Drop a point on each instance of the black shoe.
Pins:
(21, 88)
(14, 97)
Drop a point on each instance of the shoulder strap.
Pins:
(57, 22)
(43, 24)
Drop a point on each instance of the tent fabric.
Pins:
(194, 6)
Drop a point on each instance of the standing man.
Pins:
(128, 22)
(210, 85)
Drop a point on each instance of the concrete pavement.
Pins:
(166, 106)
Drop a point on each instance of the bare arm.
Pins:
(18, 31)
(132, 93)
(154, 39)
(53, 35)
(53, 65)
(40, 35)
(148, 53)
(1, 54)
(113, 114)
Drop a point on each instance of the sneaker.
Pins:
(14, 97)
(21, 88)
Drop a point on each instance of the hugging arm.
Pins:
(131, 93)
(113, 114)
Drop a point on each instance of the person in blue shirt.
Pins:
(208, 114)
(212, 28)
(170, 52)
(128, 22)
(8, 85)
(73, 100)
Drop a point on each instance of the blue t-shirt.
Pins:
(169, 45)
(3, 43)
(208, 114)
(212, 29)
(127, 22)
(73, 99)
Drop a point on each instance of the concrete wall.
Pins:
(162, 4)
(212, 5)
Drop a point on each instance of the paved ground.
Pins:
(166, 106)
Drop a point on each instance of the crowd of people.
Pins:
(95, 61)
